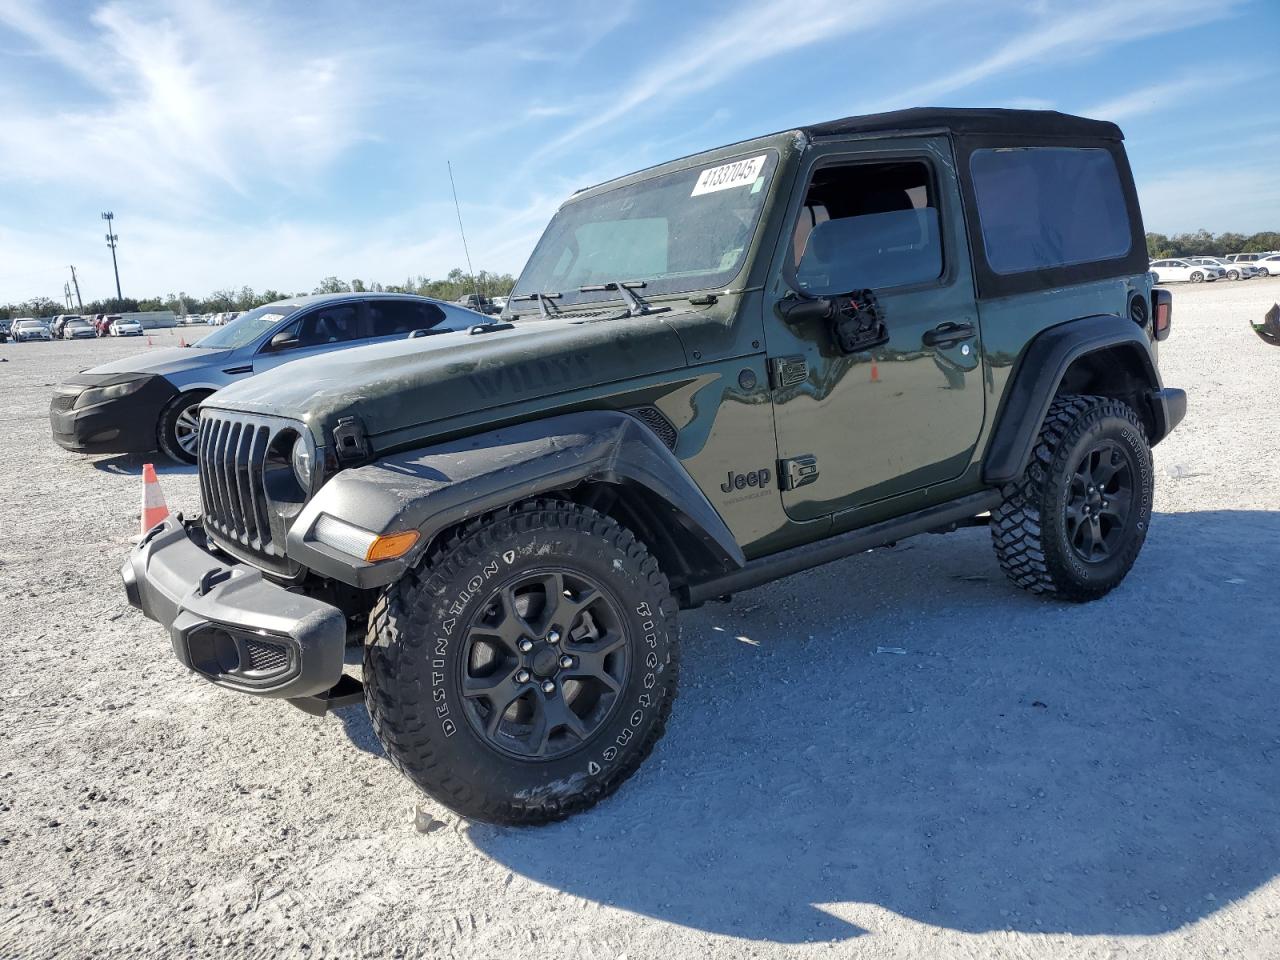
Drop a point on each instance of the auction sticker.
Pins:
(740, 173)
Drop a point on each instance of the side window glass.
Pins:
(401, 317)
(335, 324)
(868, 225)
(1045, 207)
(457, 319)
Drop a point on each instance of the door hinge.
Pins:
(798, 471)
(787, 371)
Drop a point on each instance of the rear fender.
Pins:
(1057, 359)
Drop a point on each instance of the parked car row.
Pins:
(1235, 266)
(69, 326)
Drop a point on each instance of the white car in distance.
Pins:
(1234, 271)
(1269, 265)
(1180, 268)
(125, 328)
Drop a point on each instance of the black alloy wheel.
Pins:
(1099, 501)
(543, 664)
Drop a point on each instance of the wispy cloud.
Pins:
(1083, 32)
(754, 33)
(275, 143)
(170, 113)
(1172, 94)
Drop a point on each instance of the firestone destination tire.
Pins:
(1073, 524)
(527, 666)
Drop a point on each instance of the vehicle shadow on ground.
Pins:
(359, 729)
(130, 464)
(355, 719)
(1110, 768)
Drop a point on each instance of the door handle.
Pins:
(947, 334)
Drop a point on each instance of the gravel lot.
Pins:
(1025, 778)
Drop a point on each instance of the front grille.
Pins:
(63, 402)
(233, 450)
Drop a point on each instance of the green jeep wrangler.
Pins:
(711, 374)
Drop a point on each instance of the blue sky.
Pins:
(275, 143)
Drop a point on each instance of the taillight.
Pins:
(1161, 312)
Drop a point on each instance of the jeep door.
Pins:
(906, 414)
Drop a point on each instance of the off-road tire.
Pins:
(167, 425)
(1030, 528)
(416, 657)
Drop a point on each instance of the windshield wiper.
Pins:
(542, 298)
(635, 306)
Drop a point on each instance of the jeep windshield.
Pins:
(247, 327)
(678, 232)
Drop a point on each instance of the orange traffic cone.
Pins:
(875, 371)
(148, 341)
(182, 341)
(154, 509)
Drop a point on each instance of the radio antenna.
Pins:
(467, 253)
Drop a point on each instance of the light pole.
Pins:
(111, 242)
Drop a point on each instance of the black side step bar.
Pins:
(937, 518)
(347, 691)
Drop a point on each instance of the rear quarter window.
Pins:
(1045, 207)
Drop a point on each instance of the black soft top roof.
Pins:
(1034, 123)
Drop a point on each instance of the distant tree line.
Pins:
(454, 285)
(1202, 243)
(458, 282)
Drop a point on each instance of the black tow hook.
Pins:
(211, 578)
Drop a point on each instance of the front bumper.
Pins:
(227, 622)
(123, 425)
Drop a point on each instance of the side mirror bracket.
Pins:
(856, 319)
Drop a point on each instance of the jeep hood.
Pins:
(398, 387)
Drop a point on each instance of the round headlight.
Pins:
(302, 462)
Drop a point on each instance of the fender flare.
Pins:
(436, 487)
(1038, 373)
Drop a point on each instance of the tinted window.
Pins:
(334, 324)
(390, 317)
(868, 225)
(1049, 207)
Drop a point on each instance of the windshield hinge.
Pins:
(349, 441)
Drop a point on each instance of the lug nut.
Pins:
(553, 636)
(525, 644)
(548, 687)
(566, 661)
(522, 676)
